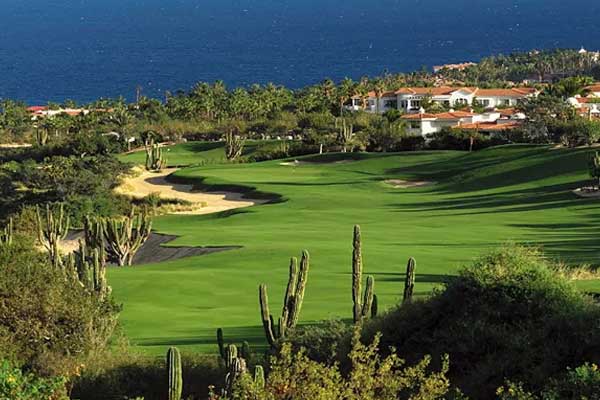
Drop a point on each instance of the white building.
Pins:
(424, 124)
(410, 100)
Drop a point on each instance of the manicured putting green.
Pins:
(510, 193)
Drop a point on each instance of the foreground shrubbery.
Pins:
(507, 316)
(49, 325)
(295, 376)
(16, 385)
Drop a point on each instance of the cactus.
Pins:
(174, 369)
(41, 137)
(346, 132)
(259, 377)
(266, 317)
(356, 274)
(125, 236)
(221, 343)
(292, 301)
(234, 146)
(362, 302)
(374, 307)
(6, 234)
(93, 229)
(231, 354)
(367, 302)
(87, 267)
(594, 169)
(409, 283)
(246, 352)
(236, 369)
(52, 228)
(155, 160)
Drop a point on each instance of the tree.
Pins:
(594, 168)
(345, 91)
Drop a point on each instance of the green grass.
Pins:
(195, 153)
(512, 193)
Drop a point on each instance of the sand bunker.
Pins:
(147, 183)
(587, 193)
(152, 251)
(401, 184)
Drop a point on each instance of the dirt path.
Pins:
(202, 203)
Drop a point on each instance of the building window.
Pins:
(403, 104)
(461, 102)
(390, 104)
(416, 104)
(484, 103)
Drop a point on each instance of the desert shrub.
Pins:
(49, 325)
(293, 375)
(84, 184)
(322, 342)
(581, 383)
(277, 151)
(456, 139)
(125, 372)
(411, 143)
(18, 385)
(508, 315)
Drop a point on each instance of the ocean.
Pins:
(53, 50)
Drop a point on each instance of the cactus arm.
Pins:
(267, 318)
(300, 288)
(368, 297)
(356, 274)
(409, 283)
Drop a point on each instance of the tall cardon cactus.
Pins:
(53, 226)
(175, 374)
(409, 283)
(155, 159)
(292, 301)
(125, 236)
(362, 302)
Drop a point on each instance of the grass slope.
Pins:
(518, 193)
(196, 153)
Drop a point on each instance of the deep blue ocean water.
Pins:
(52, 50)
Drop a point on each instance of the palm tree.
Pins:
(378, 86)
(344, 92)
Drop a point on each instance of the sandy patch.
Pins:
(14, 145)
(587, 192)
(147, 183)
(152, 251)
(402, 184)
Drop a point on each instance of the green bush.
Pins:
(456, 139)
(17, 385)
(49, 325)
(507, 316)
(293, 375)
(124, 373)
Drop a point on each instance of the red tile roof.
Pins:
(37, 108)
(514, 92)
(446, 115)
(418, 116)
(489, 126)
(594, 88)
(432, 91)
